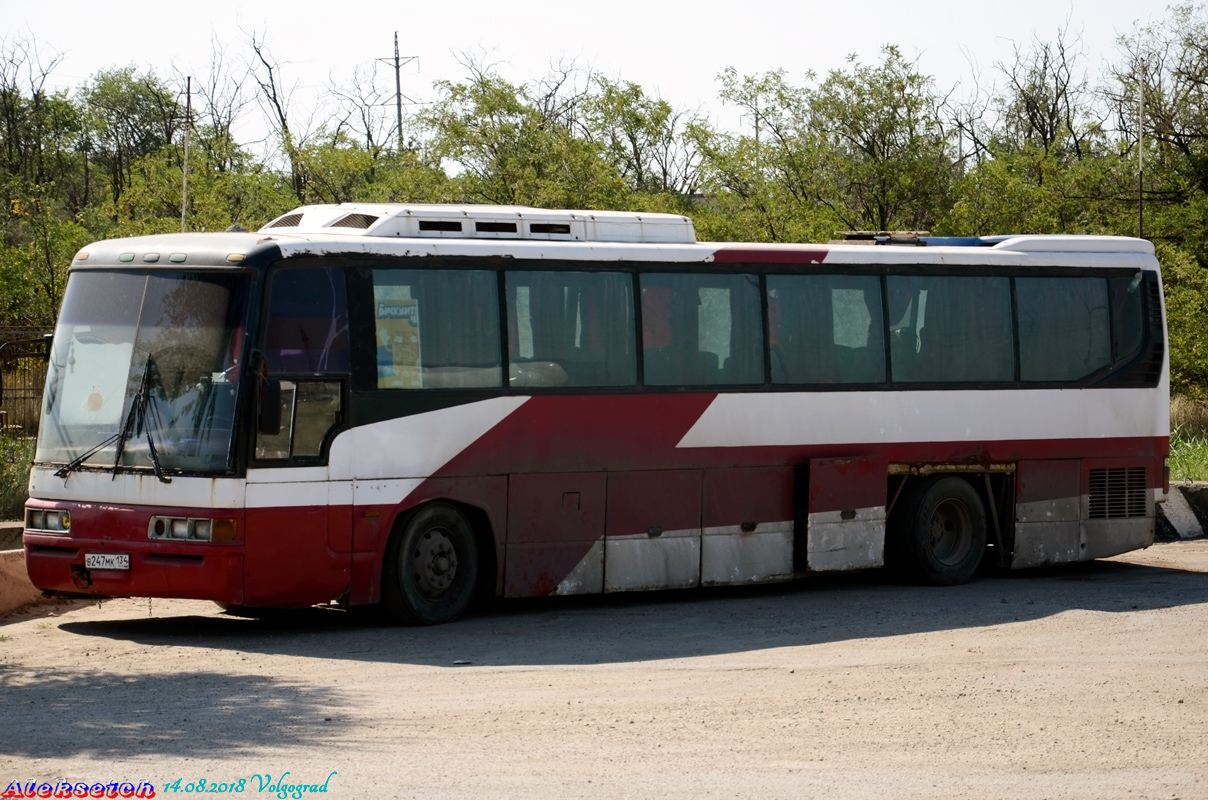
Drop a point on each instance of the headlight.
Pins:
(37, 519)
(191, 529)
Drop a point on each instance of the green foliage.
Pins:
(1186, 287)
(865, 146)
(1188, 459)
(16, 456)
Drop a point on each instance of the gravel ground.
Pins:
(1081, 682)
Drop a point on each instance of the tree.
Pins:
(515, 146)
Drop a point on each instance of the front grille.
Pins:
(1117, 492)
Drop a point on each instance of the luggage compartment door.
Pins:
(555, 538)
(846, 522)
(653, 531)
(748, 526)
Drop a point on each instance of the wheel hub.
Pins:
(434, 563)
(950, 534)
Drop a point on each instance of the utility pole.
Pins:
(184, 184)
(398, 85)
(1141, 151)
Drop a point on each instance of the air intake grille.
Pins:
(288, 221)
(1117, 492)
(361, 221)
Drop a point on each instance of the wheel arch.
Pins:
(490, 572)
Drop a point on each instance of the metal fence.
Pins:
(22, 378)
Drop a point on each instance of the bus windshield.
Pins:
(144, 372)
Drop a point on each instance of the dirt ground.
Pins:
(1083, 682)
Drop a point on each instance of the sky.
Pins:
(673, 49)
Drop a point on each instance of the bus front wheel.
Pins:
(431, 567)
(940, 536)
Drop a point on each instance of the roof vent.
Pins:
(442, 225)
(361, 221)
(550, 227)
(288, 221)
(494, 227)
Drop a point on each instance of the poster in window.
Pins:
(398, 344)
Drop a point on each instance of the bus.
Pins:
(419, 405)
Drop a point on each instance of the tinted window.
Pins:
(1127, 315)
(701, 330)
(437, 329)
(1064, 333)
(308, 321)
(950, 329)
(825, 329)
(570, 329)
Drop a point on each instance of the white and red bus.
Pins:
(415, 405)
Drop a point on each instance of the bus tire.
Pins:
(940, 537)
(431, 567)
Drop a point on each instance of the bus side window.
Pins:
(307, 329)
(309, 409)
(701, 330)
(952, 329)
(1128, 322)
(570, 329)
(437, 329)
(826, 329)
(305, 340)
(1063, 328)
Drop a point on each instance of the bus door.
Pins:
(298, 542)
(653, 530)
(845, 526)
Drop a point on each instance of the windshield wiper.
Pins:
(75, 463)
(141, 409)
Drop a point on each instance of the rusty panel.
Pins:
(843, 484)
(1101, 538)
(1040, 544)
(554, 525)
(653, 530)
(846, 519)
(748, 526)
(1047, 491)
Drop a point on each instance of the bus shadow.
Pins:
(108, 715)
(665, 625)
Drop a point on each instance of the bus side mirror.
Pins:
(48, 343)
(270, 407)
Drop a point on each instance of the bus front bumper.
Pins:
(191, 571)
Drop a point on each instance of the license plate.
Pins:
(107, 560)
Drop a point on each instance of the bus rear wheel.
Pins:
(431, 567)
(940, 536)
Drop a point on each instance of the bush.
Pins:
(16, 455)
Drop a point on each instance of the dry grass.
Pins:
(1189, 417)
